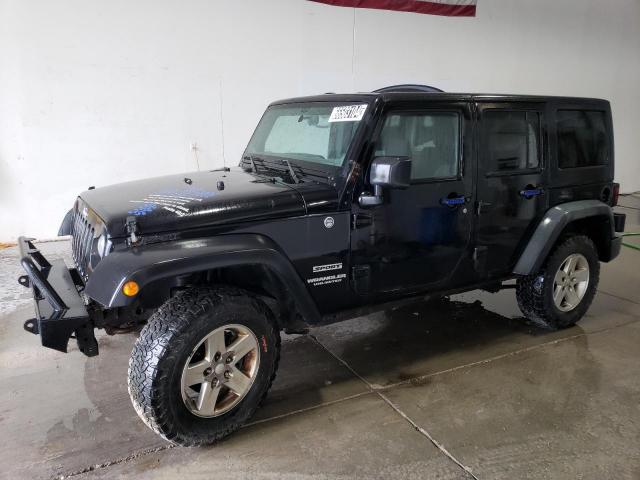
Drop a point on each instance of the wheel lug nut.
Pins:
(216, 357)
(229, 359)
(207, 371)
(227, 375)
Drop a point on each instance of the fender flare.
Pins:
(551, 226)
(66, 227)
(148, 263)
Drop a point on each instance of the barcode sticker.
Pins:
(348, 113)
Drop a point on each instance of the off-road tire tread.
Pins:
(145, 381)
(530, 293)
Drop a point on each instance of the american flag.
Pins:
(451, 8)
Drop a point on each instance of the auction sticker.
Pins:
(348, 113)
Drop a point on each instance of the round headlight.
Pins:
(101, 245)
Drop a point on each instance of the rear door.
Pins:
(511, 190)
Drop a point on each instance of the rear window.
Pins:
(582, 138)
(512, 141)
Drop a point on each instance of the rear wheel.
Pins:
(203, 364)
(560, 294)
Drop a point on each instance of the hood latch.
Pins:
(132, 230)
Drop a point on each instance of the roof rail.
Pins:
(409, 87)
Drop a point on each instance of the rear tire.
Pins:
(197, 329)
(553, 298)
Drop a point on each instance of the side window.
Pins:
(512, 140)
(432, 140)
(582, 138)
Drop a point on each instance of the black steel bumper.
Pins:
(616, 242)
(60, 311)
(616, 245)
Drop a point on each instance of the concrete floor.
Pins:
(457, 388)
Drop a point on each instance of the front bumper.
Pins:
(60, 310)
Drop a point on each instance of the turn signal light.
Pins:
(131, 288)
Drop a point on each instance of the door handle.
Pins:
(531, 191)
(453, 201)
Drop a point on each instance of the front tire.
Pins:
(203, 364)
(561, 292)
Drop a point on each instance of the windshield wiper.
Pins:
(272, 166)
(290, 169)
(312, 172)
(254, 168)
(294, 177)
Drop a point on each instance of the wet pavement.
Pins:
(455, 388)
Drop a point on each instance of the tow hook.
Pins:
(31, 326)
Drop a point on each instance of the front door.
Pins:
(419, 235)
(511, 193)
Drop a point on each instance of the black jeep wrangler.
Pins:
(340, 204)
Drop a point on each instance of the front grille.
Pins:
(82, 241)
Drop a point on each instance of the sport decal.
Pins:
(325, 268)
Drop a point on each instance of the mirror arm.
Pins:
(366, 200)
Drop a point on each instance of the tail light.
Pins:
(616, 194)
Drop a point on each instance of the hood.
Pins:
(199, 199)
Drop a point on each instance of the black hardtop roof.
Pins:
(438, 97)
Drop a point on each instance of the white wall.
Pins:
(96, 92)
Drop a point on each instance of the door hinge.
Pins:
(480, 258)
(360, 220)
(480, 205)
(361, 279)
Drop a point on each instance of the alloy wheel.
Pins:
(220, 370)
(571, 282)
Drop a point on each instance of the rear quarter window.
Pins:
(582, 138)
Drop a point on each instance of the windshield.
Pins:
(313, 132)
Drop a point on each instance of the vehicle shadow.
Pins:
(429, 337)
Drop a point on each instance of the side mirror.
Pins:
(390, 172)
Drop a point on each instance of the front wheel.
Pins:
(203, 364)
(560, 294)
